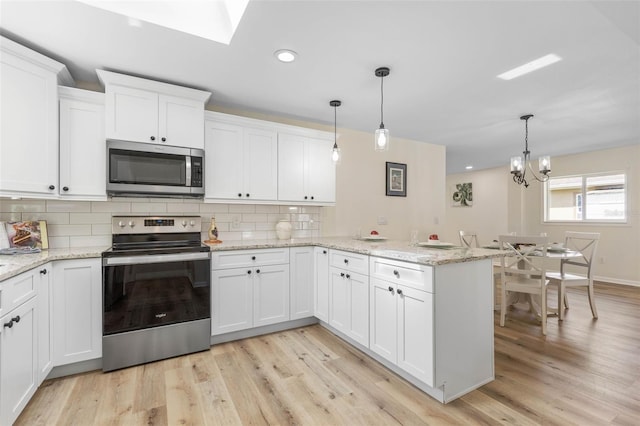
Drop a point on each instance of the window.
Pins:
(587, 198)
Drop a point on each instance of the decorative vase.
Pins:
(283, 229)
(213, 230)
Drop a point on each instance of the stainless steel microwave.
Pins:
(143, 169)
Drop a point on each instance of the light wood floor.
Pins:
(584, 372)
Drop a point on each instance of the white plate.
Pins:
(436, 244)
(374, 238)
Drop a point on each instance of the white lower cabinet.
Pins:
(321, 283)
(402, 327)
(77, 310)
(301, 267)
(349, 296)
(45, 321)
(249, 289)
(18, 360)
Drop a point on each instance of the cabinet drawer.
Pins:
(410, 274)
(17, 290)
(351, 261)
(244, 258)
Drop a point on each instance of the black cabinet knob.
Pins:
(348, 276)
(153, 138)
(312, 197)
(391, 289)
(249, 272)
(239, 194)
(51, 187)
(43, 271)
(305, 197)
(346, 261)
(247, 195)
(164, 139)
(342, 274)
(8, 324)
(253, 258)
(16, 318)
(396, 273)
(65, 188)
(324, 252)
(257, 271)
(399, 291)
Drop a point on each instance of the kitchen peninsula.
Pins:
(426, 314)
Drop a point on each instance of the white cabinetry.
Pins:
(143, 110)
(401, 326)
(349, 295)
(306, 173)
(301, 281)
(29, 121)
(250, 288)
(321, 283)
(82, 144)
(18, 343)
(45, 321)
(242, 161)
(77, 310)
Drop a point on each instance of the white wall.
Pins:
(509, 207)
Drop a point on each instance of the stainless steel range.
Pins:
(156, 282)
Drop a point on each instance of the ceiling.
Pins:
(444, 58)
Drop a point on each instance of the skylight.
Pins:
(534, 65)
(215, 20)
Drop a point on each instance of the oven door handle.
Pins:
(155, 258)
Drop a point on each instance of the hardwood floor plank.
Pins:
(182, 397)
(49, 403)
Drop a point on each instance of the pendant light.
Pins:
(519, 164)
(381, 137)
(335, 152)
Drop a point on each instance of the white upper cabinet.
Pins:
(306, 173)
(29, 121)
(241, 161)
(82, 145)
(148, 111)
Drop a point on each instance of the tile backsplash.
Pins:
(88, 223)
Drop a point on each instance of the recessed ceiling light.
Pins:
(285, 55)
(469, 167)
(531, 66)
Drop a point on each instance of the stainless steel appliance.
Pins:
(156, 282)
(135, 169)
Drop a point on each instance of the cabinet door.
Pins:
(339, 300)
(260, 166)
(223, 161)
(290, 168)
(270, 294)
(232, 300)
(77, 310)
(320, 171)
(383, 322)
(359, 307)
(180, 122)
(45, 322)
(82, 149)
(28, 128)
(301, 282)
(321, 283)
(415, 333)
(131, 114)
(18, 360)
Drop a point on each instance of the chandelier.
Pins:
(519, 164)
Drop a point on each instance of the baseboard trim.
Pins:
(610, 280)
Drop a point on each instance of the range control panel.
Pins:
(155, 224)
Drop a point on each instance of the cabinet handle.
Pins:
(239, 194)
(348, 276)
(312, 197)
(399, 291)
(391, 289)
(346, 261)
(51, 187)
(164, 139)
(65, 188)
(249, 272)
(342, 274)
(16, 318)
(324, 252)
(153, 138)
(257, 271)
(43, 271)
(396, 273)
(253, 258)
(247, 195)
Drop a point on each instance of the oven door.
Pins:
(147, 291)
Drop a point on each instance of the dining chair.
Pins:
(468, 239)
(520, 274)
(586, 243)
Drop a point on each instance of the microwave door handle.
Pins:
(188, 170)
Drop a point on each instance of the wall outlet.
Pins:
(235, 222)
(382, 220)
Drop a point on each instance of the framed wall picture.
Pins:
(30, 233)
(462, 194)
(396, 179)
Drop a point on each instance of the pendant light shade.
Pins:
(335, 152)
(381, 136)
(519, 164)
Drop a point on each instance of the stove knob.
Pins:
(121, 224)
(132, 223)
(192, 223)
(184, 223)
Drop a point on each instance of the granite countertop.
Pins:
(391, 249)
